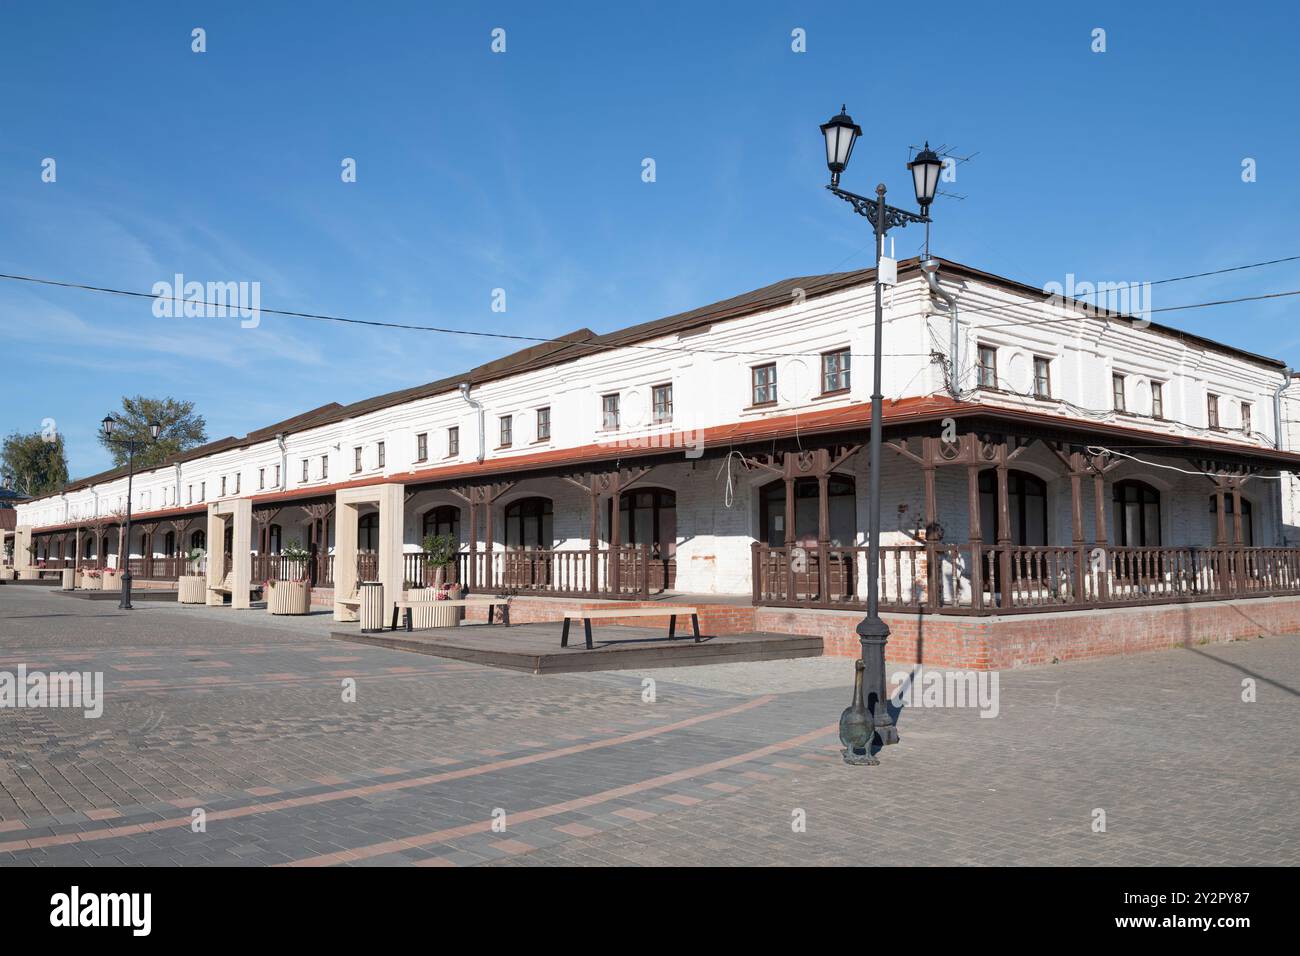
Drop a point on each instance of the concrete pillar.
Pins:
(22, 541)
(392, 520)
(345, 556)
(241, 580)
(216, 546)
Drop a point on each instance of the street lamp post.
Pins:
(130, 444)
(841, 133)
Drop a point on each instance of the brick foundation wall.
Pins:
(1002, 643)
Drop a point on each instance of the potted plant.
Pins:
(192, 588)
(439, 554)
(291, 596)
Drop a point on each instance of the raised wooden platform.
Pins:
(535, 648)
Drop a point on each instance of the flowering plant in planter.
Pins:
(445, 592)
(439, 555)
(193, 557)
(92, 573)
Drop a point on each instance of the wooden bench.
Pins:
(670, 611)
(490, 603)
(225, 586)
(351, 599)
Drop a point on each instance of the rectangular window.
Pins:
(835, 371)
(223, 486)
(324, 466)
(988, 366)
(544, 424)
(356, 458)
(379, 454)
(762, 380)
(662, 403)
(203, 491)
(261, 478)
(1157, 400)
(1042, 377)
(505, 431)
(277, 476)
(237, 483)
(306, 466)
(422, 447)
(1246, 417)
(189, 495)
(1212, 410)
(1117, 392)
(609, 412)
(453, 441)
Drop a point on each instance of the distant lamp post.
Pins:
(840, 133)
(109, 424)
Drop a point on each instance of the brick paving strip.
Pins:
(374, 789)
(568, 806)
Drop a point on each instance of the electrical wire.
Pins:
(1102, 449)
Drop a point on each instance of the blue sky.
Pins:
(522, 171)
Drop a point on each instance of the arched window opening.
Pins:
(530, 523)
(1137, 514)
(1026, 504)
(842, 511)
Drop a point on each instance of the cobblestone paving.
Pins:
(438, 763)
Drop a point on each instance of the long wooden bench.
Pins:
(225, 586)
(490, 603)
(670, 611)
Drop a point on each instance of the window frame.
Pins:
(422, 446)
(610, 400)
(381, 454)
(661, 413)
(453, 441)
(1046, 364)
(1119, 392)
(1157, 400)
(505, 431)
(1247, 418)
(1212, 411)
(986, 370)
(543, 423)
(768, 386)
(842, 373)
(357, 461)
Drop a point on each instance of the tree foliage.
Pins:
(37, 462)
(182, 429)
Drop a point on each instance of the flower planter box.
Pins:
(91, 583)
(288, 597)
(436, 614)
(192, 589)
(29, 574)
(111, 582)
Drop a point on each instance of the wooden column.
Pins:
(1004, 529)
(823, 527)
(975, 535)
(933, 577)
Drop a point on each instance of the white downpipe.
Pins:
(478, 407)
(931, 269)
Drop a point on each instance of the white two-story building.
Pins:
(1041, 455)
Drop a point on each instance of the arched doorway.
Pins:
(1247, 519)
(1137, 514)
(444, 519)
(803, 532)
(648, 516)
(529, 538)
(368, 547)
(1026, 506)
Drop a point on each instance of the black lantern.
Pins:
(841, 133)
(925, 176)
(154, 428)
(108, 423)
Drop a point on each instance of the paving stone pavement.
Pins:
(439, 763)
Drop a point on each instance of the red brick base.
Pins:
(988, 643)
(1001, 643)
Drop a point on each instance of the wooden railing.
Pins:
(585, 572)
(987, 579)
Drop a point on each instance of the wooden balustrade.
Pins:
(987, 579)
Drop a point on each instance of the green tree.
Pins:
(181, 429)
(37, 462)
